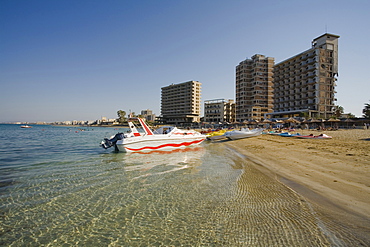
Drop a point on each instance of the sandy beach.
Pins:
(333, 174)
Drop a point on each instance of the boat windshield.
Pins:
(164, 130)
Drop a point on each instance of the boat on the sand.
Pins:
(164, 138)
(311, 136)
(217, 135)
(243, 133)
(287, 134)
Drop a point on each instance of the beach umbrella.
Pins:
(348, 121)
(267, 123)
(333, 120)
(291, 121)
(313, 122)
(322, 121)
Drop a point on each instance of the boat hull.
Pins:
(236, 134)
(153, 143)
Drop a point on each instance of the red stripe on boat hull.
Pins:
(174, 145)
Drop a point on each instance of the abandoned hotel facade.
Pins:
(180, 103)
(303, 84)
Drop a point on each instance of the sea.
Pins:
(58, 187)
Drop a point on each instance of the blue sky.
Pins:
(81, 60)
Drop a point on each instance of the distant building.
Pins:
(254, 92)
(148, 115)
(106, 121)
(180, 103)
(306, 82)
(219, 111)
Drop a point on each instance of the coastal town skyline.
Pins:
(74, 60)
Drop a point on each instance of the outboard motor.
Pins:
(107, 143)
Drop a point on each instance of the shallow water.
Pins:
(58, 187)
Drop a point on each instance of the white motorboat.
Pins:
(164, 138)
(26, 126)
(243, 133)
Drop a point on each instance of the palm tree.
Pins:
(366, 111)
(338, 111)
(121, 116)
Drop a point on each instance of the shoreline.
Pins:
(333, 175)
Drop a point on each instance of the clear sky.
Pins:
(84, 59)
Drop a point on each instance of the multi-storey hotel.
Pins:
(219, 111)
(180, 103)
(254, 92)
(306, 82)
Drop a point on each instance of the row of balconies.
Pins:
(176, 89)
(296, 83)
(253, 89)
(253, 71)
(294, 98)
(291, 108)
(294, 92)
(179, 98)
(296, 60)
(182, 88)
(296, 76)
(181, 92)
(298, 104)
(213, 112)
(289, 88)
(297, 93)
(296, 69)
(179, 107)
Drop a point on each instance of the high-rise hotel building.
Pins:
(180, 103)
(306, 82)
(254, 92)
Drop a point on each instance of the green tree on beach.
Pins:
(366, 111)
(338, 111)
(121, 116)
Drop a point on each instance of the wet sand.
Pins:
(333, 174)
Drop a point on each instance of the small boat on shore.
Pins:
(25, 126)
(164, 138)
(287, 134)
(311, 136)
(243, 133)
(217, 135)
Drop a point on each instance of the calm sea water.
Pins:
(59, 188)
